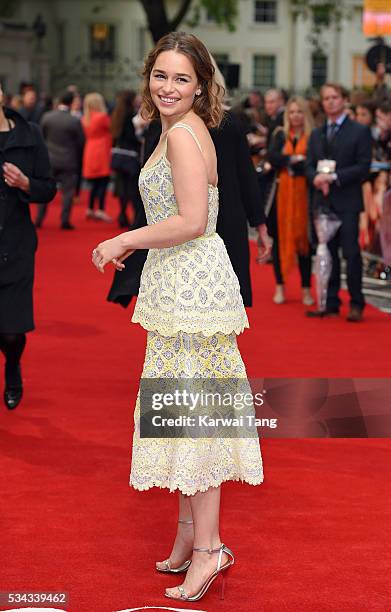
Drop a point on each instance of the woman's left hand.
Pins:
(110, 251)
(14, 177)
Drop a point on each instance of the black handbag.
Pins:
(125, 160)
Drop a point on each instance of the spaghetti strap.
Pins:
(189, 129)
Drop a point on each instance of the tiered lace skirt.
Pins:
(191, 465)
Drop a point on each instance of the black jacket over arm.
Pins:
(240, 201)
(352, 151)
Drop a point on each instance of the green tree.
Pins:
(224, 12)
(322, 15)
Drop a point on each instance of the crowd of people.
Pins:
(330, 153)
(81, 134)
(278, 128)
(94, 140)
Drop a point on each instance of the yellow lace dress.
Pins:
(190, 303)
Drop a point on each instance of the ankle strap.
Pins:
(190, 522)
(219, 550)
(209, 550)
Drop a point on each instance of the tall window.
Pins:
(319, 69)
(264, 71)
(265, 11)
(102, 42)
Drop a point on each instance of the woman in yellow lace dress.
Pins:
(190, 303)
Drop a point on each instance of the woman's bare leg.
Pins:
(205, 508)
(183, 544)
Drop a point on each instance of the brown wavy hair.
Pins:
(208, 105)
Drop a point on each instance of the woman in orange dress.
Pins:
(288, 221)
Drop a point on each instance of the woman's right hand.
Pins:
(14, 177)
(111, 251)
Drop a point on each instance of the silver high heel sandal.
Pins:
(176, 570)
(219, 570)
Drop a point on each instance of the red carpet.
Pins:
(314, 537)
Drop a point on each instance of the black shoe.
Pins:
(355, 315)
(12, 398)
(321, 314)
(67, 226)
(13, 391)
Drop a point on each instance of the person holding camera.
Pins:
(338, 161)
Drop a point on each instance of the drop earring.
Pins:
(198, 92)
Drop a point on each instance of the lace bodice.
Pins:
(190, 287)
(157, 193)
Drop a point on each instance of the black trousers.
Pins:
(346, 239)
(305, 266)
(98, 191)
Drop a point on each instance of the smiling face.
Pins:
(173, 85)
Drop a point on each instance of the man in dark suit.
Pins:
(65, 140)
(345, 144)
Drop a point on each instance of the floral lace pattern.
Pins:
(192, 465)
(190, 287)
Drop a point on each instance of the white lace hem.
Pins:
(200, 488)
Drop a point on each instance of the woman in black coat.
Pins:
(25, 176)
(239, 202)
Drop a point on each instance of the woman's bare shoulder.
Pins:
(200, 129)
